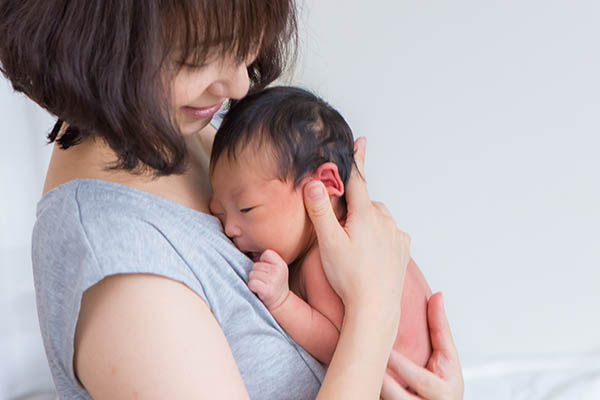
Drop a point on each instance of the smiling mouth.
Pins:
(202, 113)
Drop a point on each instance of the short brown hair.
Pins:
(100, 65)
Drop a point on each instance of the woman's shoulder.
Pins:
(87, 230)
(92, 229)
(101, 212)
(95, 200)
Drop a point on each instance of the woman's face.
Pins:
(198, 92)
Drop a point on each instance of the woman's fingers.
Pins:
(443, 378)
(439, 328)
(357, 195)
(320, 211)
(422, 381)
(391, 390)
(360, 146)
(444, 359)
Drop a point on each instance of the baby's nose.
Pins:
(232, 229)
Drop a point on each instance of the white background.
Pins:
(483, 122)
(482, 119)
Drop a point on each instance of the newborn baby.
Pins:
(269, 145)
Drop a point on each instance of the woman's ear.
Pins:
(328, 174)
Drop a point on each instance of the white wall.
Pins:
(482, 119)
(23, 161)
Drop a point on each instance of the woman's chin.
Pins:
(190, 128)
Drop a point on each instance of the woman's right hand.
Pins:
(442, 379)
(364, 260)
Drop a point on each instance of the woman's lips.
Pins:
(201, 113)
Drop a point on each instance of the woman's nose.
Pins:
(233, 82)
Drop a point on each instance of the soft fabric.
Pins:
(89, 229)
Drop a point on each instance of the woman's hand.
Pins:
(364, 260)
(442, 380)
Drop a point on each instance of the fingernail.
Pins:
(315, 190)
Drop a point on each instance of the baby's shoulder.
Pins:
(319, 292)
(312, 273)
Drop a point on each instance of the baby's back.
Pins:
(413, 333)
(413, 338)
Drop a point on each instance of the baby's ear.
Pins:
(328, 174)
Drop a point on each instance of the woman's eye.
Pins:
(245, 210)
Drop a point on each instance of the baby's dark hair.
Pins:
(298, 129)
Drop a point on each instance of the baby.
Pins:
(269, 145)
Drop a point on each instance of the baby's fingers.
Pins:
(260, 266)
(257, 286)
(271, 257)
(260, 275)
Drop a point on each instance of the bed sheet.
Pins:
(565, 377)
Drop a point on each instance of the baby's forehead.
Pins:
(252, 168)
(260, 161)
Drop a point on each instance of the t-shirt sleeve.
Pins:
(75, 248)
(126, 244)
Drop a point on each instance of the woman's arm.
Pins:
(149, 337)
(365, 261)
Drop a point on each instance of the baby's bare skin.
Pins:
(312, 313)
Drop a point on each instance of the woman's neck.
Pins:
(90, 158)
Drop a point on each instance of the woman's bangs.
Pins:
(196, 31)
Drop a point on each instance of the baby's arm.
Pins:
(308, 327)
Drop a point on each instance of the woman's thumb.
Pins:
(319, 209)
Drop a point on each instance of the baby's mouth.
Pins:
(253, 255)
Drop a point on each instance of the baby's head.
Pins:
(269, 146)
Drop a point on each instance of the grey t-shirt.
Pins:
(89, 229)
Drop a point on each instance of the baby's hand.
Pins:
(269, 279)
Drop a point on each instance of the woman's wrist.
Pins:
(379, 311)
(373, 319)
(360, 359)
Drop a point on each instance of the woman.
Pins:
(139, 292)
